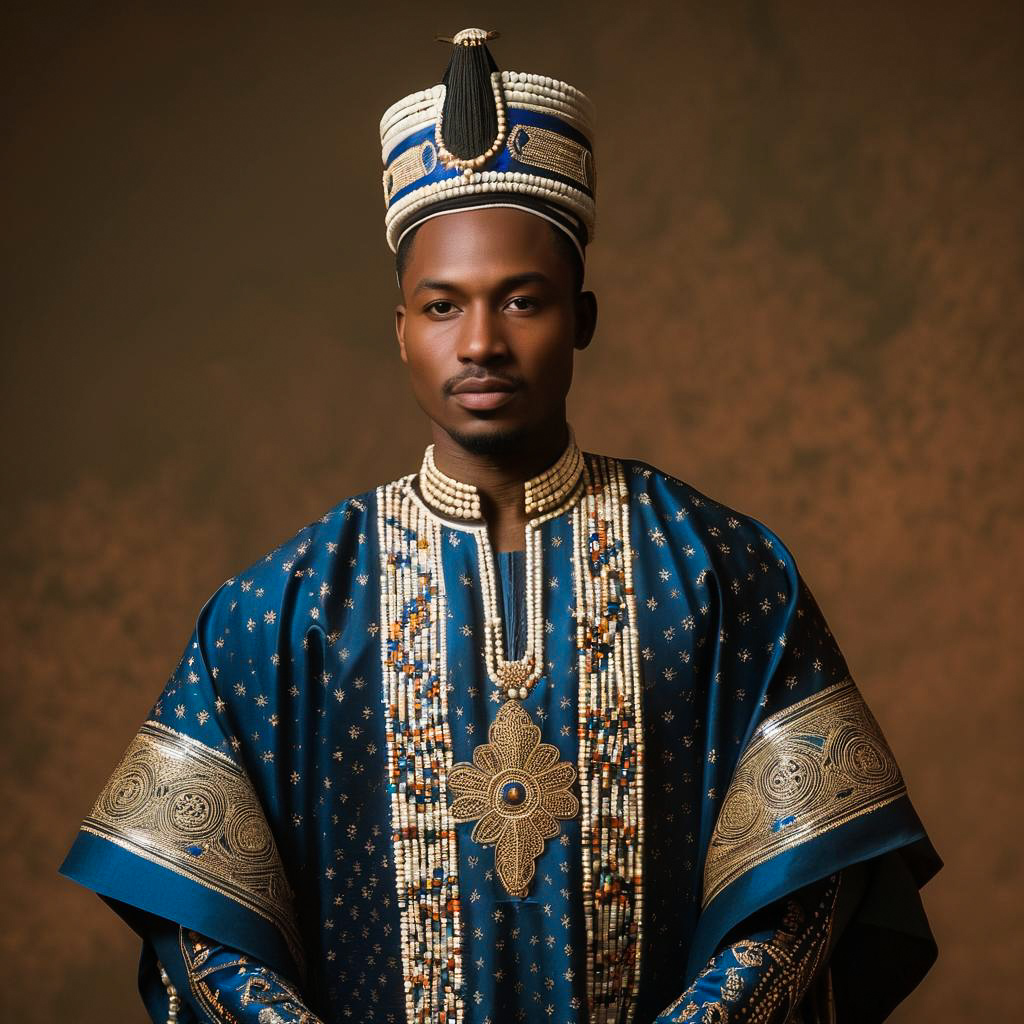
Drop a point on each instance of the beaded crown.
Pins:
(485, 137)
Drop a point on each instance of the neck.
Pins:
(499, 478)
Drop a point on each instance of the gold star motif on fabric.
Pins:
(514, 789)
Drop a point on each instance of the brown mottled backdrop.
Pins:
(809, 262)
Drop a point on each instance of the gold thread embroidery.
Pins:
(514, 788)
(551, 151)
(732, 987)
(795, 954)
(189, 808)
(410, 166)
(257, 985)
(193, 953)
(807, 770)
(748, 954)
(787, 965)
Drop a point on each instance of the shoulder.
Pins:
(734, 543)
(315, 561)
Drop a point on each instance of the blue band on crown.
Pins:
(556, 151)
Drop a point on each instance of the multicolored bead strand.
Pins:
(414, 662)
(610, 742)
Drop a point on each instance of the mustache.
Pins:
(479, 373)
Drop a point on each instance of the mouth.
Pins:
(483, 393)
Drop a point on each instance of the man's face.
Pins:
(489, 324)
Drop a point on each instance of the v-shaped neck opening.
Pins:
(511, 567)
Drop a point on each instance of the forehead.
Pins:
(502, 239)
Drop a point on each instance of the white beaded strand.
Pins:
(417, 734)
(631, 673)
(173, 999)
(452, 497)
(544, 495)
(419, 110)
(612, 812)
(559, 193)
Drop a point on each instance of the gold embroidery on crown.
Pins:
(408, 167)
(551, 151)
(516, 787)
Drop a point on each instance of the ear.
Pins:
(586, 319)
(400, 331)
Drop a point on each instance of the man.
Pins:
(529, 734)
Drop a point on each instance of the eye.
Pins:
(440, 307)
(522, 304)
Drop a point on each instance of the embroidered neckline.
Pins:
(544, 495)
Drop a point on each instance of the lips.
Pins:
(483, 393)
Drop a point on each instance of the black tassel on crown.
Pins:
(469, 117)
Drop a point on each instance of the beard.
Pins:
(500, 441)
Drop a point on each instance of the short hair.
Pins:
(562, 240)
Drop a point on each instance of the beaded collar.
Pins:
(544, 495)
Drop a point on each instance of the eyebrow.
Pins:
(504, 285)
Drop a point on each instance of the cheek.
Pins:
(560, 376)
(426, 371)
(552, 360)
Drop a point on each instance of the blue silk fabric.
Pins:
(277, 709)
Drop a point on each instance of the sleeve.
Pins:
(768, 969)
(206, 982)
(812, 789)
(183, 827)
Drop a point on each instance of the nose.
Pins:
(481, 339)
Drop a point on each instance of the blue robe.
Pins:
(261, 804)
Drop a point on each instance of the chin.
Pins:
(490, 438)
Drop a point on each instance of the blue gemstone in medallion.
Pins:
(513, 793)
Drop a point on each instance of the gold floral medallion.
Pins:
(514, 789)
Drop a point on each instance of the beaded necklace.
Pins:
(544, 497)
(515, 788)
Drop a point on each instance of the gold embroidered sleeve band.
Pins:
(189, 808)
(230, 988)
(764, 979)
(808, 769)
